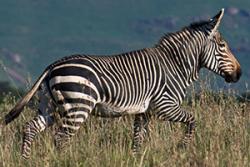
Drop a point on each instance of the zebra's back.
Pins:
(121, 83)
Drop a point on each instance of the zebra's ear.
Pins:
(215, 22)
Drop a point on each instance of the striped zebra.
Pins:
(146, 82)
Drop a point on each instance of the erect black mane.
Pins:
(198, 24)
(193, 26)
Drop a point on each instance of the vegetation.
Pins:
(7, 89)
(221, 139)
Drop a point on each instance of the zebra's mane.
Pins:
(198, 24)
(192, 27)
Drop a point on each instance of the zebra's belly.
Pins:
(105, 110)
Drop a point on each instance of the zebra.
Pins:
(144, 83)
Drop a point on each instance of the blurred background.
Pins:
(34, 33)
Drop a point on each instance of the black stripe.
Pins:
(76, 59)
(75, 116)
(77, 71)
(75, 100)
(71, 70)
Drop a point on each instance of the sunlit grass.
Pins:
(222, 138)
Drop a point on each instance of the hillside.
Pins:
(35, 33)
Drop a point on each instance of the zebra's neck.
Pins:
(181, 53)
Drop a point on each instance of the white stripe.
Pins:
(75, 119)
(41, 123)
(78, 113)
(74, 79)
(71, 127)
(81, 66)
(68, 106)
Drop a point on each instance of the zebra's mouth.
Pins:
(230, 80)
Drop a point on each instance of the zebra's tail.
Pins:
(14, 113)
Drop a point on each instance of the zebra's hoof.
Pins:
(182, 146)
(25, 156)
(26, 150)
(26, 147)
(136, 152)
(61, 141)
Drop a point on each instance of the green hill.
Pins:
(35, 33)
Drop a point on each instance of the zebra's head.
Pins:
(217, 55)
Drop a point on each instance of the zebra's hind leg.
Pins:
(31, 129)
(71, 123)
(141, 131)
(44, 119)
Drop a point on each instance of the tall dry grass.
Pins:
(222, 138)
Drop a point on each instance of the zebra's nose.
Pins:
(234, 76)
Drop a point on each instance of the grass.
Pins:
(222, 138)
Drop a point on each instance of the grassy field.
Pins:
(222, 138)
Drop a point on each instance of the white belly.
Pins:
(109, 109)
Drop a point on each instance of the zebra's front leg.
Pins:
(179, 115)
(189, 120)
(141, 131)
(71, 123)
(44, 119)
(190, 129)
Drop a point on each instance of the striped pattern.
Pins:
(145, 82)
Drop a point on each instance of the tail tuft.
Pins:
(15, 112)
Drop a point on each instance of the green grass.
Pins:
(222, 138)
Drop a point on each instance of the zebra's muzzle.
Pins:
(234, 76)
